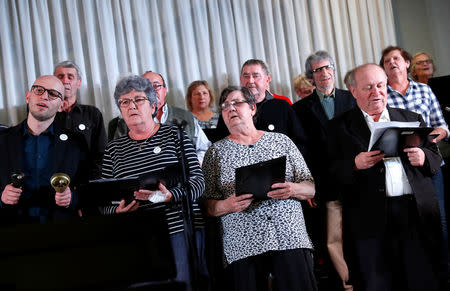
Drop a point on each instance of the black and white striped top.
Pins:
(124, 159)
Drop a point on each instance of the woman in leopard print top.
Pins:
(264, 236)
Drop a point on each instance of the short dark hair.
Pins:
(406, 56)
(252, 62)
(68, 64)
(191, 89)
(248, 95)
(137, 83)
(315, 57)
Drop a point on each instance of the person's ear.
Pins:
(62, 105)
(27, 97)
(78, 84)
(352, 90)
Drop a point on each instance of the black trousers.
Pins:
(396, 260)
(290, 269)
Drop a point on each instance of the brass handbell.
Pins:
(60, 182)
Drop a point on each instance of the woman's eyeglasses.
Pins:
(125, 102)
(234, 103)
(429, 61)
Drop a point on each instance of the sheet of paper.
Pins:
(378, 128)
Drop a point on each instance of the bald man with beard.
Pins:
(38, 147)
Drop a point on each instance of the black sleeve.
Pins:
(221, 130)
(98, 145)
(296, 131)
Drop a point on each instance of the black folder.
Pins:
(395, 139)
(257, 179)
(102, 191)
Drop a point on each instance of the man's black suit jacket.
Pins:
(363, 192)
(69, 156)
(314, 120)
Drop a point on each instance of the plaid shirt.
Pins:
(420, 99)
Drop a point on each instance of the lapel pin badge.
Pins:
(63, 137)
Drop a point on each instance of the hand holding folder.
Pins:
(103, 191)
(393, 137)
(257, 179)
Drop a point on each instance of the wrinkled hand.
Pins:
(11, 195)
(238, 203)
(442, 134)
(416, 156)
(366, 160)
(302, 191)
(63, 199)
(143, 194)
(129, 208)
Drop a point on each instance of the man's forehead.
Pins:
(65, 71)
(394, 52)
(369, 75)
(320, 63)
(49, 82)
(153, 77)
(252, 69)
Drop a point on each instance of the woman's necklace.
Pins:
(140, 145)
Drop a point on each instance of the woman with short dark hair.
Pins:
(259, 236)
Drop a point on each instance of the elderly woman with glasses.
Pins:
(422, 67)
(150, 147)
(259, 236)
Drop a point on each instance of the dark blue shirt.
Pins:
(37, 167)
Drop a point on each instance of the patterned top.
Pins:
(267, 225)
(419, 98)
(123, 159)
(211, 123)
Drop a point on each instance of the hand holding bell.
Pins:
(17, 179)
(60, 182)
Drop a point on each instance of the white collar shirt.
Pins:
(397, 183)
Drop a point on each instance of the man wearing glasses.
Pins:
(323, 104)
(38, 147)
(167, 114)
(87, 120)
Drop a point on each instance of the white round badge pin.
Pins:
(157, 150)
